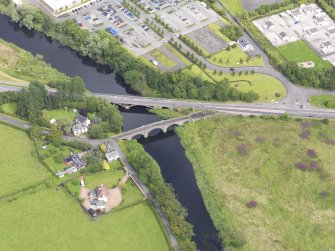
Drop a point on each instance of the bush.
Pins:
(311, 153)
(305, 134)
(242, 149)
(58, 157)
(251, 204)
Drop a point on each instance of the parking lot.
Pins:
(184, 16)
(308, 22)
(205, 38)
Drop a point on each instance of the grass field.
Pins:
(7, 78)
(300, 52)
(51, 220)
(19, 164)
(20, 64)
(266, 86)
(178, 54)
(320, 101)
(9, 108)
(232, 58)
(195, 71)
(58, 113)
(238, 160)
(162, 58)
(233, 6)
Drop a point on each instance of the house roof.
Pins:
(331, 30)
(313, 30)
(282, 34)
(102, 191)
(112, 155)
(109, 147)
(77, 161)
(269, 23)
(326, 44)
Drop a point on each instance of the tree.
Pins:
(103, 148)
(64, 124)
(55, 135)
(35, 132)
(105, 165)
(96, 132)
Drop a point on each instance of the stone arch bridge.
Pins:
(163, 125)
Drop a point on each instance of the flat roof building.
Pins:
(59, 6)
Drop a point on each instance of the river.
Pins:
(164, 148)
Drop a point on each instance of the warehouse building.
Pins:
(59, 6)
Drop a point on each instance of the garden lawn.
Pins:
(9, 108)
(320, 101)
(108, 178)
(19, 164)
(238, 160)
(21, 64)
(58, 113)
(51, 219)
(299, 52)
(162, 58)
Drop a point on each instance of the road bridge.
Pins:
(163, 125)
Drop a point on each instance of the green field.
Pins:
(20, 64)
(238, 160)
(19, 164)
(234, 6)
(8, 108)
(300, 52)
(232, 58)
(195, 71)
(7, 78)
(266, 86)
(321, 100)
(178, 54)
(162, 58)
(51, 219)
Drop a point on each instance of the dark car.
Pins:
(92, 212)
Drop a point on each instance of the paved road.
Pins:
(237, 108)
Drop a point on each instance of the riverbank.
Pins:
(267, 184)
(22, 66)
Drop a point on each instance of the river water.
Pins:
(164, 148)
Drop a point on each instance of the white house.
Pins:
(80, 125)
(111, 153)
(283, 35)
(326, 46)
(102, 193)
(331, 32)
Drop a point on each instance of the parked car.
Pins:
(92, 212)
